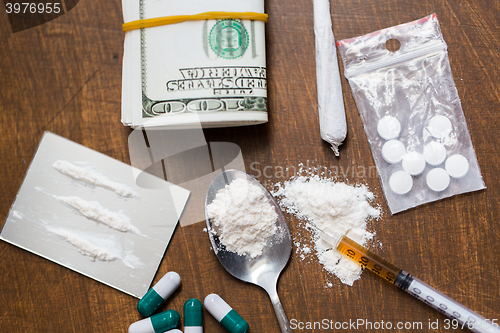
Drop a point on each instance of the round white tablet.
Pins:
(438, 179)
(434, 153)
(414, 163)
(439, 127)
(393, 151)
(457, 166)
(388, 128)
(400, 182)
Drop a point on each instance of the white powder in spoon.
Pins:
(334, 207)
(243, 218)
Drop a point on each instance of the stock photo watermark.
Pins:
(362, 324)
(278, 172)
(28, 14)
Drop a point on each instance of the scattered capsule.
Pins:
(193, 316)
(158, 323)
(224, 314)
(155, 296)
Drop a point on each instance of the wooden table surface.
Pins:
(65, 77)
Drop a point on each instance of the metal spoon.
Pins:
(265, 269)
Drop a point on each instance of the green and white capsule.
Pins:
(158, 323)
(224, 314)
(193, 316)
(155, 296)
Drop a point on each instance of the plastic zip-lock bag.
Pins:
(411, 113)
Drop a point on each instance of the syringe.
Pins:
(403, 280)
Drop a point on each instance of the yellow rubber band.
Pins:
(158, 21)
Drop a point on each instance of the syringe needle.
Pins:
(403, 280)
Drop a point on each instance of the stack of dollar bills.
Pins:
(211, 72)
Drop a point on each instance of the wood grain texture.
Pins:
(65, 77)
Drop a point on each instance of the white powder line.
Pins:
(92, 177)
(94, 211)
(85, 247)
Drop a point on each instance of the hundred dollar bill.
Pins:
(209, 71)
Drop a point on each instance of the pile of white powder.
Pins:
(243, 218)
(334, 207)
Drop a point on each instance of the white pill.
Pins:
(457, 166)
(414, 163)
(439, 127)
(434, 153)
(388, 128)
(400, 182)
(393, 151)
(438, 179)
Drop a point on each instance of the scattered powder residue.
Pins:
(92, 177)
(243, 218)
(335, 207)
(17, 215)
(132, 261)
(85, 246)
(94, 211)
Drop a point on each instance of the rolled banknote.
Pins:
(210, 71)
(332, 120)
